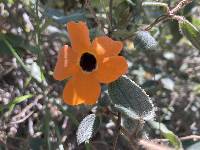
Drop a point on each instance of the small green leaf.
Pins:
(145, 41)
(190, 32)
(18, 100)
(130, 99)
(173, 139)
(86, 128)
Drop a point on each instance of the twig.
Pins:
(28, 107)
(117, 131)
(158, 20)
(189, 137)
(153, 146)
(23, 119)
(184, 138)
(171, 14)
(30, 127)
(126, 133)
(179, 6)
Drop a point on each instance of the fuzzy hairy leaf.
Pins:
(128, 123)
(86, 128)
(130, 99)
(190, 32)
(145, 41)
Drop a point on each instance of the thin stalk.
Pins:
(13, 51)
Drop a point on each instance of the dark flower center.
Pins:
(88, 62)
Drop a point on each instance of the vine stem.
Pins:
(158, 20)
(138, 128)
(16, 56)
(171, 14)
(179, 6)
(128, 136)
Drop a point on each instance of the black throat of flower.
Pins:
(88, 62)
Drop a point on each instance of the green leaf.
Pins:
(173, 139)
(196, 22)
(190, 32)
(10, 106)
(130, 99)
(143, 40)
(123, 14)
(18, 100)
(86, 128)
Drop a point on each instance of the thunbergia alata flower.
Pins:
(88, 64)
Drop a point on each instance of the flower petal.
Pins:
(81, 90)
(111, 69)
(79, 36)
(66, 63)
(105, 46)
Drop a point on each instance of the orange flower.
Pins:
(88, 64)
